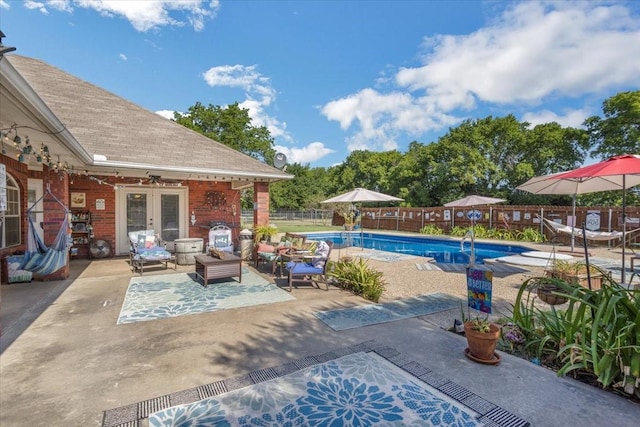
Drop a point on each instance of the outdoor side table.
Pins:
(208, 267)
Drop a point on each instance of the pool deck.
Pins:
(64, 360)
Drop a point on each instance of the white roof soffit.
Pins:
(37, 112)
(210, 174)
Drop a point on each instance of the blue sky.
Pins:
(330, 77)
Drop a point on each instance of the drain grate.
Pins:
(263, 375)
(150, 406)
(212, 389)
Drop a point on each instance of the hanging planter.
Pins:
(546, 294)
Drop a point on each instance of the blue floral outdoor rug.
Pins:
(371, 314)
(356, 387)
(171, 295)
(361, 389)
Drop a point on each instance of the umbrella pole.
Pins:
(624, 229)
(573, 224)
(586, 255)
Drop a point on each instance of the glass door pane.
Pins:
(170, 217)
(137, 212)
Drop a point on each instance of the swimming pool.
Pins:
(446, 251)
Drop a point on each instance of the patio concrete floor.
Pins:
(64, 360)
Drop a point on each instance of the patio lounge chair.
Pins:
(146, 247)
(311, 269)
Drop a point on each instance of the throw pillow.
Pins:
(150, 242)
(263, 247)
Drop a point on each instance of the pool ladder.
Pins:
(470, 235)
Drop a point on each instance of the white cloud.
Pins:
(144, 15)
(571, 118)
(4, 5)
(258, 92)
(167, 114)
(35, 5)
(123, 57)
(534, 51)
(311, 153)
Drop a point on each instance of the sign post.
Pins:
(479, 286)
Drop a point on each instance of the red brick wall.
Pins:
(209, 201)
(54, 215)
(261, 203)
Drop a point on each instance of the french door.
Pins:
(160, 209)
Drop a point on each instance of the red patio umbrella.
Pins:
(614, 170)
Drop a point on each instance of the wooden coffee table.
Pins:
(208, 267)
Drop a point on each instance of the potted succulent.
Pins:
(482, 337)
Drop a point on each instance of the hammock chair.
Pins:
(39, 259)
(590, 235)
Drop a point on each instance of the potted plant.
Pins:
(482, 337)
(548, 290)
(349, 219)
(576, 273)
(264, 232)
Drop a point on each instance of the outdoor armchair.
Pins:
(311, 269)
(145, 247)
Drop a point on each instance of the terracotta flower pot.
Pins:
(482, 345)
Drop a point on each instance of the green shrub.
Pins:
(598, 333)
(458, 231)
(359, 278)
(432, 229)
(530, 235)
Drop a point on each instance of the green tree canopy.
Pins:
(231, 126)
(619, 131)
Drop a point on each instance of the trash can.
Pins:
(187, 249)
(246, 244)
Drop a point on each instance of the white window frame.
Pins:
(13, 201)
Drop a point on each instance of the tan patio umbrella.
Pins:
(361, 195)
(558, 183)
(473, 201)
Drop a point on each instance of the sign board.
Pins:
(479, 285)
(593, 220)
(100, 204)
(474, 214)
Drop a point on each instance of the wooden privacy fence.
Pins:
(596, 218)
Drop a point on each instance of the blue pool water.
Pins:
(446, 251)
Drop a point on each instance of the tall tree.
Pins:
(619, 131)
(231, 126)
(304, 191)
(366, 169)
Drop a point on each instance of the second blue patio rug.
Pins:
(361, 389)
(171, 295)
(371, 314)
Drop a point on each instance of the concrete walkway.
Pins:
(65, 361)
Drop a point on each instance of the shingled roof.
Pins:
(119, 134)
